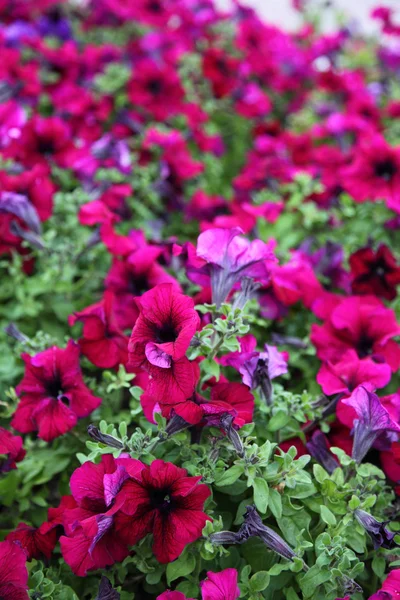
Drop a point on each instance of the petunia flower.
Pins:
(373, 422)
(11, 449)
(378, 532)
(13, 572)
(102, 342)
(220, 586)
(160, 338)
(161, 499)
(360, 323)
(375, 272)
(230, 257)
(53, 393)
(390, 589)
(257, 368)
(90, 540)
(350, 372)
(374, 173)
(37, 542)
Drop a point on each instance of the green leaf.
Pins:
(379, 566)
(230, 476)
(259, 581)
(261, 494)
(354, 502)
(181, 567)
(327, 516)
(278, 421)
(313, 579)
(275, 503)
(210, 367)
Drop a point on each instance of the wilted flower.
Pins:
(319, 449)
(378, 532)
(255, 527)
(373, 422)
(106, 590)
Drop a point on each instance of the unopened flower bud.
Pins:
(175, 424)
(104, 438)
(226, 422)
(271, 539)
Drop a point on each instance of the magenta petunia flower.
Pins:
(156, 89)
(160, 338)
(350, 372)
(230, 257)
(360, 323)
(53, 394)
(374, 173)
(375, 272)
(90, 540)
(220, 586)
(13, 572)
(162, 499)
(37, 542)
(374, 422)
(102, 341)
(11, 449)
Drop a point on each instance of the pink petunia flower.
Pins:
(13, 572)
(360, 323)
(162, 499)
(53, 393)
(11, 448)
(102, 342)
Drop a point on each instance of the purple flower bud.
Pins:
(255, 527)
(175, 424)
(13, 331)
(288, 340)
(19, 205)
(373, 422)
(380, 535)
(32, 238)
(318, 448)
(228, 537)
(226, 423)
(104, 438)
(106, 590)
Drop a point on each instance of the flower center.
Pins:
(154, 6)
(166, 334)
(385, 169)
(161, 499)
(154, 86)
(364, 346)
(45, 146)
(54, 387)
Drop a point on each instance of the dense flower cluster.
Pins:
(200, 321)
